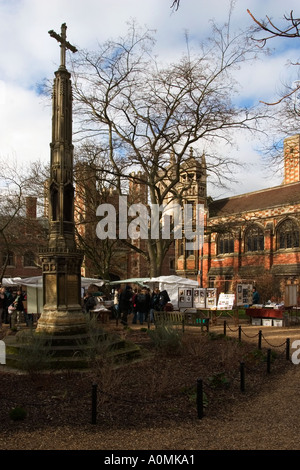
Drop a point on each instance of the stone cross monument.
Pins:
(61, 260)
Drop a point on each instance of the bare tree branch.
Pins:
(291, 31)
(175, 5)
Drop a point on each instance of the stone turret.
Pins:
(292, 159)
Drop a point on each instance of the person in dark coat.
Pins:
(163, 300)
(125, 303)
(19, 309)
(255, 296)
(8, 301)
(143, 305)
(89, 303)
(134, 305)
(154, 304)
(2, 305)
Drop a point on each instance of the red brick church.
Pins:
(254, 236)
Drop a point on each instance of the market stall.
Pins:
(169, 283)
(34, 289)
(266, 316)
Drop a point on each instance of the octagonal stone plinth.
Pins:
(59, 322)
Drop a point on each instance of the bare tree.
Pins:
(94, 185)
(145, 113)
(286, 111)
(17, 234)
(291, 30)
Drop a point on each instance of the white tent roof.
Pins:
(11, 281)
(171, 285)
(37, 281)
(132, 280)
(175, 280)
(168, 283)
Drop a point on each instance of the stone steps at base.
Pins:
(66, 350)
(74, 351)
(76, 361)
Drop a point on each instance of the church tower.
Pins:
(291, 152)
(193, 188)
(61, 261)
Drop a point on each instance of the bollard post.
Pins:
(94, 403)
(259, 339)
(242, 376)
(200, 398)
(269, 361)
(287, 351)
(224, 327)
(240, 333)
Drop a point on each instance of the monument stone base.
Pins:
(62, 322)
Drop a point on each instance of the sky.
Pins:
(30, 56)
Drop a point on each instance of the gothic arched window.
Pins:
(288, 235)
(254, 239)
(29, 259)
(225, 243)
(8, 258)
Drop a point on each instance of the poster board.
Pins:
(185, 297)
(244, 294)
(226, 301)
(211, 298)
(199, 298)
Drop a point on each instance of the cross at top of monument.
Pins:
(64, 43)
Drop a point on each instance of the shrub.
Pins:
(98, 343)
(34, 351)
(166, 338)
(17, 414)
(219, 380)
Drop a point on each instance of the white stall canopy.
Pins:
(37, 281)
(35, 292)
(168, 283)
(171, 285)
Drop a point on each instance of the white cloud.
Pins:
(24, 125)
(28, 55)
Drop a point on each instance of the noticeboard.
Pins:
(197, 297)
(244, 294)
(211, 297)
(226, 301)
(185, 297)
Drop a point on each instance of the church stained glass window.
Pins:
(225, 243)
(254, 239)
(288, 235)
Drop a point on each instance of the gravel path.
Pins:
(268, 422)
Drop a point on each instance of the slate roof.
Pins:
(283, 195)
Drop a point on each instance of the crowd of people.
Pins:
(140, 302)
(12, 307)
